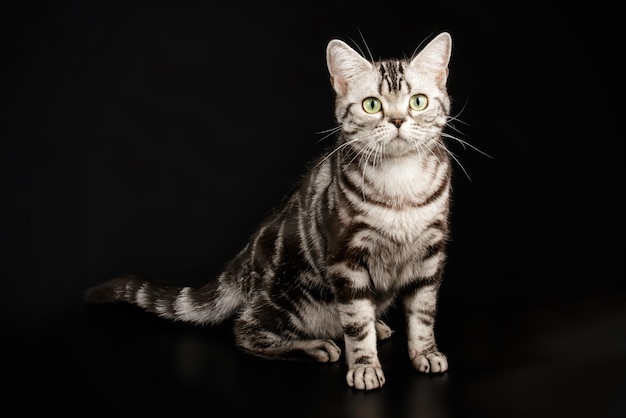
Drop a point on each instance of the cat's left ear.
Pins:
(344, 63)
(433, 59)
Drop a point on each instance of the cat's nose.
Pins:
(397, 121)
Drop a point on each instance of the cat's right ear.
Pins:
(344, 63)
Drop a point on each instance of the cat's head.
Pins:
(391, 107)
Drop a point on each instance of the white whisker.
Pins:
(333, 129)
(371, 148)
(455, 118)
(466, 144)
(344, 145)
(380, 153)
(454, 157)
(328, 132)
(369, 52)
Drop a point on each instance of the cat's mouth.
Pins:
(398, 140)
(398, 146)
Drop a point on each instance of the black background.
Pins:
(152, 137)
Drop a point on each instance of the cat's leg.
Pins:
(420, 307)
(357, 314)
(268, 334)
(364, 368)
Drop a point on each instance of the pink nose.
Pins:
(397, 121)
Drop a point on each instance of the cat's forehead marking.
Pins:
(392, 78)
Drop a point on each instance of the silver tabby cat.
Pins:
(367, 225)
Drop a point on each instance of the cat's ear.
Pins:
(344, 63)
(433, 59)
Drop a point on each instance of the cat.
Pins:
(366, 225)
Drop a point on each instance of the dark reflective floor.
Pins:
(545, 361)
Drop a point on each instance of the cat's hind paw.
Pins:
(433, 362)
(323, 351)
(366, 378)
(382, 330)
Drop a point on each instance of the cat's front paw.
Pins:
(366, 378)
(433, 362)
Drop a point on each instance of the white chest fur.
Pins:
(402, 198)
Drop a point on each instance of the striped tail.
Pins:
(207, 305)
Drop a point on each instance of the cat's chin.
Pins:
(399, 147)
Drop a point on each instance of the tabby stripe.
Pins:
(314, 232)
(363, 360)
(317, 293)
(438, 224)
(279, 241)
(357, 332)
(356, 257)
(427, 320)
(347, 186)
(382, 70)
(347, 111)
(345, 294)
(443, 105)
(271, 318)
(305, 239)
(351, 121)
(394, 80)
(256, 252)
(392, 73)
(437, 193)
(150, 296)
(277, 312)
(433, 249)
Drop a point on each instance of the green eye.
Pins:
(372, 105)
(418, 102)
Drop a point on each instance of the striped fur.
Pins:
(367, 225)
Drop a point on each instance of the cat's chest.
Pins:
(400, 226)
(399, 183)
(401, 202)
(398, 243)
(399, 231)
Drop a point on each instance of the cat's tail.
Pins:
(206, 305)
